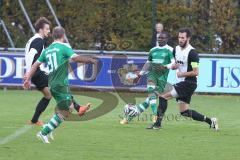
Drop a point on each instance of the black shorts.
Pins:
(185, 90)
(40, 79)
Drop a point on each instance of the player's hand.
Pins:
(132, 77)
(26, 84)
(93, 61)
(137, 78)
(175, 66)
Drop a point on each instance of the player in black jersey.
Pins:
(187, 61)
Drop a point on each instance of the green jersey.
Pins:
(57, 57)
(160, 56)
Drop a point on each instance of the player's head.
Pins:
(159, 27)
(162, 39)
(58, 33)
(184, 35)
(42, 26)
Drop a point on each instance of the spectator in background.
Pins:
(156, 33)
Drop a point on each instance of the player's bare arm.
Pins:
(28, 75)
(83, 59)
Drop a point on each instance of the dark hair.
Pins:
(185, 30)
(164, 32)
(58, 32)
(39, 24)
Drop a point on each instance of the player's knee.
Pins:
(63, 114)
(185, 113)
(47, 94)
(164, 97)
(151, 88)
(174, 93)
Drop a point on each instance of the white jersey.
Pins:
(184, 57)
(33, 50)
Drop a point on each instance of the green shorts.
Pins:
(62, 96)
(160, 82)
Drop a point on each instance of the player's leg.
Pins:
(185, 111)
(150, 100)
(81, 109)
(64, 101)
(40, 80)
(162, 107)
(144, 105)
(185, 91)
(59, 116)
(151, 88)
(53, 123)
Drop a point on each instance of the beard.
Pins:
(183, 45)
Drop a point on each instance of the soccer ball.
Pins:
(130, 110)
(131, 76)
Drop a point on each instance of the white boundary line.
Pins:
(15, 135)
(18, 132)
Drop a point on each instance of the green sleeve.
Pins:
(150, 56)
(42, 57)
(170, 55)
(68, 52)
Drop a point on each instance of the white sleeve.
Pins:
(29, 56)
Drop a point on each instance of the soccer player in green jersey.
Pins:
(57, 56)
(157, 67)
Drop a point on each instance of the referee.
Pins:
(33, 50)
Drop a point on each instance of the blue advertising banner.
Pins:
(216, 75)
(219, 75)
(110, 73)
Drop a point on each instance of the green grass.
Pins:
(104, 138)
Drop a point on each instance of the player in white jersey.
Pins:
(187, 62)
(33, 50)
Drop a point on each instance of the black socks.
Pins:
(161, 110)
(42, 105)
(196, 116)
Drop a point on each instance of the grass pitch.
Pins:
(103, 138)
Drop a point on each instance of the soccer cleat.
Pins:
(214, 124)
(83, 109)
(124, 121)
(153, 126)
(42, 137)
(38, 123)
(50, 135)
